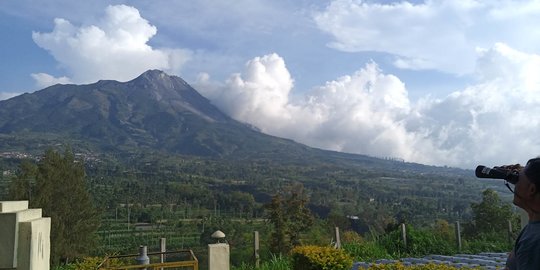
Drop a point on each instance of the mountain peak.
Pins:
(154, 74)
(155, 77)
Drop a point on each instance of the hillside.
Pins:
(154, 113)
(156, 140)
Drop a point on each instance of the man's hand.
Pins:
(515, 167)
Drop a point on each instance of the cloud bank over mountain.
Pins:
(369, 111)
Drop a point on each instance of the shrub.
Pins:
(487, 242)
(419, 243)
(320, 258)
(87, 263)
(367, 251)
(351, 237)
(276, 263)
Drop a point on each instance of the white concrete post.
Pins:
(338, 238)
(162, 249)
(458, 236)
(218, 254)
(404, 234)
(256, 248)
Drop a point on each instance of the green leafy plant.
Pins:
(277, 262)
(366, 251)
(316, 257)
(420, 242)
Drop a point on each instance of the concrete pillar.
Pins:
(162, 249)
(34, 244)
(338, 238)
(458, 236)
(256, 249)
(404, 234)
(218, 256)
(24, 237)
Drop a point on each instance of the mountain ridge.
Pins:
(154, 112)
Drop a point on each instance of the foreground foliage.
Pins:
(323, 258)
(57, 185)
(279, 262)
(290, 217)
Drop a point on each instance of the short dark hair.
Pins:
(532, 170)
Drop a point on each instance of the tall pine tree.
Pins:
(290, 216)
(57, 185)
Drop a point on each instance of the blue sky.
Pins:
(437, 82)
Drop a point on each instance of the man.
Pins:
(526, 251)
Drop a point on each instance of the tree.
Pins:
(290, 216)
(491, 215)
(20, 188)
(57, 186)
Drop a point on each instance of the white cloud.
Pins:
(263, 90)
(43, 80)
(369, 112)
(435, 34)
(116, 47)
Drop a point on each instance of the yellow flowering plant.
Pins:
(320, 258)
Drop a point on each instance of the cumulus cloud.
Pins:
(43, 80)
(437, 34)
(116, 47)
(369, 112)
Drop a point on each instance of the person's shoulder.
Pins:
(530, 236)
(533, 227)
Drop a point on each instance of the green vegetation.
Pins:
(316, 257)
(274, 263)
(185, 199)
(57, 186)
(289, 217)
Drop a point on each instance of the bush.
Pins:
(367, 251)
(351, 237)
(87, 263)
(487, 242)
(276, 263)
(320, 258)
(419, 243)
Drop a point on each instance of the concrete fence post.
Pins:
(162, 249)
(256, 248)
(338, 239)
(404, 234)
(458, 236)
